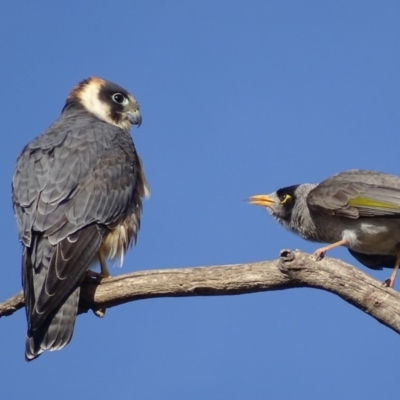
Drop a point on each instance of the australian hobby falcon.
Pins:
(77, 194)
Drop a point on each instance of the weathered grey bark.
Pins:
(291, 270)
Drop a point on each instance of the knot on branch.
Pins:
(290, 262)
(286, 255)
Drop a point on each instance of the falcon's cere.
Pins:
(77, 195)
(358, 209)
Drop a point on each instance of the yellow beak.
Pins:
(261, 200)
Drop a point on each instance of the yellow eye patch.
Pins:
(284, 198)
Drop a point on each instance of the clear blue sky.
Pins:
(238, 98)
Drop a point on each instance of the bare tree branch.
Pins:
(291, 270)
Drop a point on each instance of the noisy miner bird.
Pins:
(77, 194)
(358, 209)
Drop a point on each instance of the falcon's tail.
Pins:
(52, 275)
(56, 335)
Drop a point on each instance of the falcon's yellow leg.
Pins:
(105, 273)
(390, 281)
(320, 253)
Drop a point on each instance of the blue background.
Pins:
(238, 98)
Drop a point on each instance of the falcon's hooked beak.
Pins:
(134, 117)
(261, 200)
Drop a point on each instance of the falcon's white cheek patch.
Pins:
(90, 100)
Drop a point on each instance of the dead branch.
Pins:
(291, 270)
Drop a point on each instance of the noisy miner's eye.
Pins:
(120, 99)
(284, 198)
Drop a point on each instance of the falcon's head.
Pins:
(107, 101)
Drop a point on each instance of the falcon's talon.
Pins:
(91, 274)
(97, 277)
(77, 193)
(101, 312)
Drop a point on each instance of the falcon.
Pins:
(77, 193)
(357, 209)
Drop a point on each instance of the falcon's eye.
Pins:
(284, 198)
(120, 99)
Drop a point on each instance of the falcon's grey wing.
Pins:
(357, 193)
(71, 185)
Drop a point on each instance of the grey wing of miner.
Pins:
(77, 195)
